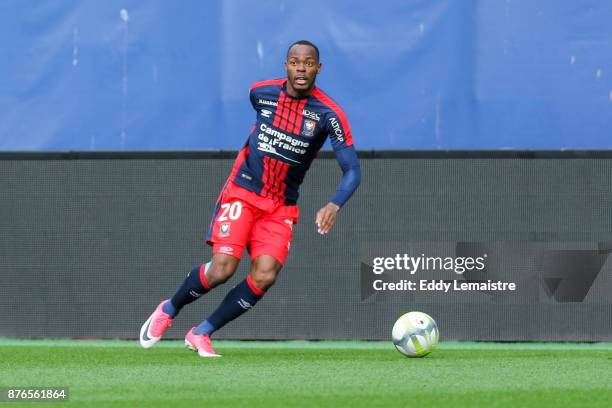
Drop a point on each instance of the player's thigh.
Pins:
(272, 235)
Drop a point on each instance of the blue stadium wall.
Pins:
(435, 74)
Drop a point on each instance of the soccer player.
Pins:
(257, 207)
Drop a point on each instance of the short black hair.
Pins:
(304, 42)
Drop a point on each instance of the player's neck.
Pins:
(289, 90)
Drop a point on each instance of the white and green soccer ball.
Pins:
(415, 334)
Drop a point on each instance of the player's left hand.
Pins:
(326, 218)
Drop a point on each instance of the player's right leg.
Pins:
(228, 233)
(198, 282)
(203, 278)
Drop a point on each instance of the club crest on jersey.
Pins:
(224, 231)
(309, 127)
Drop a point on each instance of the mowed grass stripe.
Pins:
(290, 376)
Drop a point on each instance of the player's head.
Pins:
(302, 66)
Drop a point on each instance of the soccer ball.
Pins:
(415, 334)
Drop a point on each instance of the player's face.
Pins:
(302, 67)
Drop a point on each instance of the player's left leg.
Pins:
(243, 297)
(264, 270)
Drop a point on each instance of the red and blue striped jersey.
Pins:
(285, 139)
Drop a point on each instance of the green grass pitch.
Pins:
(115, 373)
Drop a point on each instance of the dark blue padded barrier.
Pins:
(436, 74)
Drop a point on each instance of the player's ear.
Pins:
(286, 70)
(319, 68)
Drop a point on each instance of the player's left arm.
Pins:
(351, 177)
(342, 142)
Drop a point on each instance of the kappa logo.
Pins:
(244, 304)
(194, 293)
(226, 250)
(224, 231)
(266, 113)
(309, 127)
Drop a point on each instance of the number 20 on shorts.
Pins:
(230, 211)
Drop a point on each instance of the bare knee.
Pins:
(221, 269)
(264, 272)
